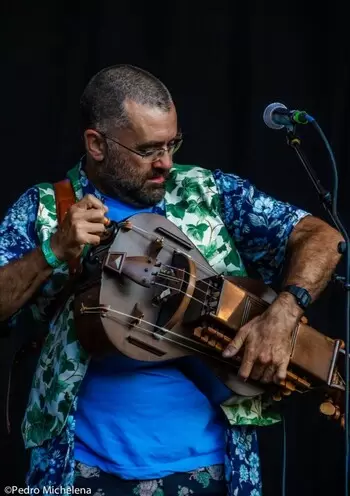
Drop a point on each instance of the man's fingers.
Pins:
(236, 343)
(258, 371)
(247, 364)
(93, 227)
(281, 372)
(268, 374)
(90, 201)
(93, 215)
(92, 239)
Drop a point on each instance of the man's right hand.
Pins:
(83, 224)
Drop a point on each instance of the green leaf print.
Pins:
(189, 187)
(71, 336)
(49, 201)
(231, 258)
(38, 424)
(248, 407)
(66, 364)
(56, 388)
(208, 250)
(47, 375)
(215, 204)
(171, 183)
(64, 407)
(42, 401)
(49, 340)
(209, 183)
(224, 234)
(222, 248)
(36, 433)
(198, 208)
(197, 231)
(37, 382)
(34, 415)
(178, 210)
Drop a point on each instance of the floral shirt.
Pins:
(259, 224)
(260, 227)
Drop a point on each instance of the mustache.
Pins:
(155, 173)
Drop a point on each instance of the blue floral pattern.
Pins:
(17, 230)
(260, 227)
(259, 224)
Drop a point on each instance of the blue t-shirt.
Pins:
(132, 419)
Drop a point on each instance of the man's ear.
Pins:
(95, 145)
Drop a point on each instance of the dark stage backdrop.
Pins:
(223, 65)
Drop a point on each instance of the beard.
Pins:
(119, 178)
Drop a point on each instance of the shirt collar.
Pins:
(88, 187)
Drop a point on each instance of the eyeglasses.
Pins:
(151, 155)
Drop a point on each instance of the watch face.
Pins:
(301, 295)
(304, 300)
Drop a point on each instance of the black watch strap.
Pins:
(301, 295)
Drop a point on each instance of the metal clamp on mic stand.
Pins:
(277, 116)
(325, 196)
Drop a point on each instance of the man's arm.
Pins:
(23, 267)
(313, 257)
(272, 235)
(19, 281)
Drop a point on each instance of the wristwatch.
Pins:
(301, 295)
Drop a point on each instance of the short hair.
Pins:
(102, 102)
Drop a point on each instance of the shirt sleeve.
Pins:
(17, 230)
(259, 224)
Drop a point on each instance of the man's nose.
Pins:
(164, 162)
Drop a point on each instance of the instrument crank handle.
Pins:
(110, 230)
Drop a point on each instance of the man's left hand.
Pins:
(267, 342)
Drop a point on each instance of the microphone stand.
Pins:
(343, 248)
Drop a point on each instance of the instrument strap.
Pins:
(65, 198)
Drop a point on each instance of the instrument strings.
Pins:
(179, 290)
(105, 309)
(178, 279)
(169, 245)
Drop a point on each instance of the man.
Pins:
(120, 426)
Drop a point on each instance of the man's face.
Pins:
(133, 178)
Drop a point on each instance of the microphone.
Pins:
(277, 116)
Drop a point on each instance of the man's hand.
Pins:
(267, 342)
(83, 224)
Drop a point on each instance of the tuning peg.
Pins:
(277, 396)
(329, 409)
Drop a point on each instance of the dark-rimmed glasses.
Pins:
(154, 154)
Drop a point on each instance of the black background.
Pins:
(223, 65)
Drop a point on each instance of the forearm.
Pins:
(19, 280)
(313, 257)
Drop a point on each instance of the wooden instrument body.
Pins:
(149, 294)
